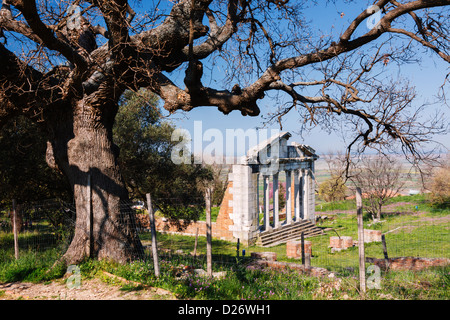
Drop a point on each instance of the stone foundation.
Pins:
(269, 256)
(372, 235)
(335, 242)
(409, 263)
(347, 242)
(344, 242)
(294, 249)
(268, 260)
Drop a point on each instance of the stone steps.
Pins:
(285, 233)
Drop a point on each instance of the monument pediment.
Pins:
(276, 151)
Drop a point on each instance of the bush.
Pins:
(333, 189)
(440, 187)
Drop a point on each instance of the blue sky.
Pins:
(426, 77)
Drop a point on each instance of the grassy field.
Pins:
(412, 228)
(411, 225)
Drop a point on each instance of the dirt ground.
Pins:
(92, 289)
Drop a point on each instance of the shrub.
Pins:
(440, 187)
(333, 189)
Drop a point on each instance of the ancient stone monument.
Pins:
(241, 207)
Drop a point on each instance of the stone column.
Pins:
(244, 216)
(304, 187)
(297, 196)
(266, 203)
(288, 197)
(276, 204)
(257, 200)
(311, 195)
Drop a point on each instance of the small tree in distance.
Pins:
(333, 189)
(440, 185)
(380, 178)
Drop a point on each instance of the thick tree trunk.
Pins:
(82, 148)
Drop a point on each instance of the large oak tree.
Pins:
(65, 65)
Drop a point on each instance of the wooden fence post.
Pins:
(386, 257)
(208, 232)
(303, 248)
(15, 231)
(89, 217)
(306, 256)
(196, 243)
(151, 216)
(362, 262)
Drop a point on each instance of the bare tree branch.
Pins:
(146, 59)
(29, 11)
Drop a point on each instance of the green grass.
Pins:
(413, 203)
(417, 198)
(409, 234)
(413, 238)
(214, 214)
(187, 243)
(336, 205)
(38, 251)
(32, 267)
(258, 284)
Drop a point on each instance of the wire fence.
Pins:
(48, 227)
(41, 227)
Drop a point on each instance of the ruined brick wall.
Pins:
(164, 225)
(223, 221)
(220, 228)
(409, 263)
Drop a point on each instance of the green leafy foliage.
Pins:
(333, 189)
(145, 141)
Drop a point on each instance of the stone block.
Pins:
(372, 235)
(409, 263)
(347, 242)
(270, 256)
(234, 228)
(294, 248)
(335, 242)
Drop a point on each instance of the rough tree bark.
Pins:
(82, 148)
